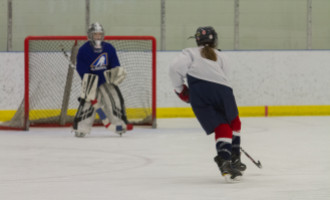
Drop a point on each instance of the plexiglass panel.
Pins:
(262, 24)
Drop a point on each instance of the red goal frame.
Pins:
(77, 38)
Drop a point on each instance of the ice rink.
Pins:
(172, 162)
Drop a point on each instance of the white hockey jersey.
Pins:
(190, 61)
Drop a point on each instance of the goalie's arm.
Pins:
(115, 75)
(82, 66)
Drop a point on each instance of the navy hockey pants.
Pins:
(212, 103)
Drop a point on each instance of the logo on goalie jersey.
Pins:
(100, 63)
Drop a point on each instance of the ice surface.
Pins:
(172, 162)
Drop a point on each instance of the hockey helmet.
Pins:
(96, 42)
(206, 36)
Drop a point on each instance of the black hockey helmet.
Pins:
(206, 35)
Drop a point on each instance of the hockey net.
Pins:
(52, 86)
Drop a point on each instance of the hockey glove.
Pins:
(115, 75)
(184, 94)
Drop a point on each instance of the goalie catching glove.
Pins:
(115, 75)
(184, 94)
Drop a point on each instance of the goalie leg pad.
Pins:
(85, 115)
(89, 87)
(114, 106)
(84, 119)
(119, 129)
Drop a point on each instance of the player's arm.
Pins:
(178, 72)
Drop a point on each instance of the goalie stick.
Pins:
(258, 164)
(68, 83)
(71, 64)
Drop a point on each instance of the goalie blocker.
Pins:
(106, 101)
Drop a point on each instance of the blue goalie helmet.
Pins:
(95, 36)
(206, 36)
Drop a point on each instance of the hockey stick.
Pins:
(68, 83)
(72, 65)
(121, 98)
(258, 164)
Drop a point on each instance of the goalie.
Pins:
(101, 73)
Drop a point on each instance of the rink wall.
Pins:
(266, 83)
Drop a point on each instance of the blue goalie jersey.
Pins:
(96, 63)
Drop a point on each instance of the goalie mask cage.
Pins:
(52, 86)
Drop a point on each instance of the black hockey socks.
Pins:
(236, 144)
(236, 154)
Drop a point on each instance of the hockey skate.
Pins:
(79, 134)
(236, 162)
(120, 130)
(230, 174)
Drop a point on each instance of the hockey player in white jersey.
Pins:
(101, 73)
(211, 97)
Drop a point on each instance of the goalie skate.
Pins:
(120, 130)
(79, 134)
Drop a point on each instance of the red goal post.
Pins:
(52, 87)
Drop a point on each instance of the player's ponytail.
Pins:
(208, 39)
(208, 52)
